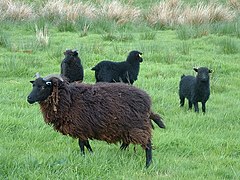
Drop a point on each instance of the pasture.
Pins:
(193, 146)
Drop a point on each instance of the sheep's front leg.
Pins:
(189, 104)
(203, 107)
(196, 107)
(148, 154)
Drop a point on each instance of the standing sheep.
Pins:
(125, 71)
(71, 66)
(195, 89)
(112, 112)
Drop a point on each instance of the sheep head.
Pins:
(202, 73)
(135, 56)
(43, 88)
(70, 56)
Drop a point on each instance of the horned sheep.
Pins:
(111, 112)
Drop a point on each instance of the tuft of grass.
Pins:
(184, 32)
(206, 13)
(72, 11)
(16, 10)
(229, 46)
(120, 13)
(123, 37)
(175, 12)
(5, 41)
(42, 36)
(66, 26)
(84, 30)
(165, 13)
(184, 48)
(235, 4)
(148, 35)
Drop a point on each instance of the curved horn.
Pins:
(53, 75)
(37, 75)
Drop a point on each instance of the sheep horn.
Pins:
(53, 75)
(37, 75)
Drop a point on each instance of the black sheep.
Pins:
(71, 66)
(195, 89)
(112, 112)
(125, 71)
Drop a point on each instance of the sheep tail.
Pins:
(157, 119)
(95, 68)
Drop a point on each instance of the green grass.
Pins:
(193, 146)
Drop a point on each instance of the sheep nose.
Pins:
(29, 99)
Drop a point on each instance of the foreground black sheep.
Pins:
(71, 66)
(126, 71)
(195, 89)
(112, 112)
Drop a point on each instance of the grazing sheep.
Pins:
(111, 112)
(71, 66)
(126, 71)
(195, 89)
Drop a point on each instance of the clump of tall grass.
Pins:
(42, 36)
(148, 35)
(119, 12)
(206, 13)
(16, 10)
(184, 48)
(235, 4)
(185, 32)
(229, 46)
(84, 30)
(60, 9)
(5, 40)
(165, 13)
(123, 37)
(175, 12)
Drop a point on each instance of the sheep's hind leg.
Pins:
(124, 146)
(182, 100)
(82, 144)
(88, 146)
(148, 154)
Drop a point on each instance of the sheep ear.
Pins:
(210, 71)
(48, 83)
(31, 82)
(75, 52)
(195, 69)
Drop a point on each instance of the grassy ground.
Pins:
(194, 146)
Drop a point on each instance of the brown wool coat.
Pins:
(112, 112)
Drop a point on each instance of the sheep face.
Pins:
(135, 56)
(70, 56)
(41, 90)
(202, 74)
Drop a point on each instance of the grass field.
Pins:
(193, 146)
